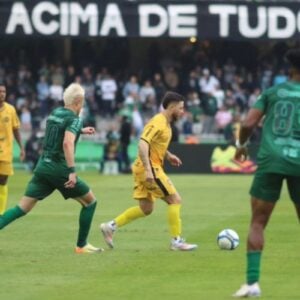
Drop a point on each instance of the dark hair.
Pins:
(171, 97)
(293, 57)
(2, 84)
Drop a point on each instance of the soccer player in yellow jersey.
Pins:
(150, 180)
(9, 128)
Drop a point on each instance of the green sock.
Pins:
(85, 220)
(253, 266)
(10, 215)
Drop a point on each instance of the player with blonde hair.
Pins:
(56, 168)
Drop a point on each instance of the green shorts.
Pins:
(42, 185)
(267, 186)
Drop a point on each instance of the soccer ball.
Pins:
(228, 239)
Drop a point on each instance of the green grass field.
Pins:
(38, 262)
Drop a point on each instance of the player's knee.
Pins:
(147, 210)
(92, 203)
(176, 199)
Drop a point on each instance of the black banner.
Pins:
(210, 158)
(236, 20)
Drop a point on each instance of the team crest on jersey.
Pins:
(282, 93)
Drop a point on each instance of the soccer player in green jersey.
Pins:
(56, 168)
(278, 160)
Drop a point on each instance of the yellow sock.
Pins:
(129, 215)
(3, 198)
(174, 219)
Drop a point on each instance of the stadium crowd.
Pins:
(218, 94)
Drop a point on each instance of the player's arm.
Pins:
(173, 159)
(253, 118)
(17, 136)
(144, 156)
(69, 152)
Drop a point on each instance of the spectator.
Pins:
(159, 88)
(25, 118)
(131, 88)
(108, 94)
(187, 126)
(70, 75)
(193, 106)
(171, 78)
(224, 120)
(56, 94)
(111, 158)
(193, 82)
(208, 83)
(147, 91)
(33, 148)
(125, 136)
(137, 122)
(253, 97)
(210, 107)
(43, 92)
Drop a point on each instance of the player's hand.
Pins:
(72, 181)
(22, 155)
(174, 160)
(241, 154)
(88, 130)
(149, 177)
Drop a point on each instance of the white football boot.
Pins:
(248, 291)
(179, 244)
(108, 231)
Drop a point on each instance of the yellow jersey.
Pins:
(8, 122)
(157, 133)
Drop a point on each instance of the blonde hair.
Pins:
(72, 92)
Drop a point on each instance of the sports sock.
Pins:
(253, 266)
(85, 220)
(129, 215)
(174, 219)
(3, 198)
(10, 215)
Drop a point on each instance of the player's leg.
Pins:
(144, 208)
(3, 192)
(173, 214)
(261, 212)
(167, 192)
(6, 170)
(174, 221)
(89, 203)
(294, 191)
(36, 190)
(297, 206)
(25, 205)
(265, 191)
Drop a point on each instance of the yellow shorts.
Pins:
(161, 188)
(6, 168)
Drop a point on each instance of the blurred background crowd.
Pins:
(220, 81)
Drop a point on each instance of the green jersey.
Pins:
(53, 159)
(279, 150)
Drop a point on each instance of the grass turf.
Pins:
(38, 262)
